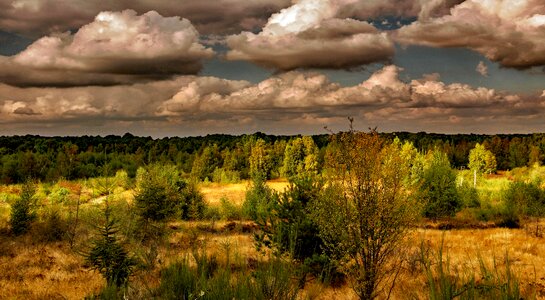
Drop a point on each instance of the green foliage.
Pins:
(23, 211)
(300, 158)
(206, 162)
(155, 203)
(191, 201)
(161, 193)
(522, 199)
(413, 161)
(289, 227)
(438, 190)
(260, 161)
(109, 292)
(257, 203)
(482, 160)
(230, 211)
(468, 195)
(108, 256)
(222, 175)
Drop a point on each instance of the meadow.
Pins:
(43, 264)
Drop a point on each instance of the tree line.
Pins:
(223, 157)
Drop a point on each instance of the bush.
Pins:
(522, 199)
(468, 195)
(230, 211)
(154, 202)
(191, 202)
(225, 176)
(23, 210)
(289, 227)
(259, 196)
(161, 193)
(438, 188)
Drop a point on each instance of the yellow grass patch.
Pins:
(234, 192)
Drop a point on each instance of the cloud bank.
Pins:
(308, 35)
(190, 103)
(511, 32)
(114, 44)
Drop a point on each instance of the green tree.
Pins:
(257, 203)
(365, 213)
(289, 227)
(535, 156)
(300, 157)
(205, 163)
(107, 256)
(437, 189)
(482, 160)
(23, 210)
(260, 162)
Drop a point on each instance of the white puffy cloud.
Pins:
(115, 43)
(309, 35)
(482, 69)
(313, 91)
(290, 102)
(511, 32)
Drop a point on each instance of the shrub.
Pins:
(225, 176)
(23, 210)
(154, 202)
(468, 195)
(289, 227)
(230, 211)
(438, 188)
(259, 196)
(191, 202)
(161, 193)
(522, 199)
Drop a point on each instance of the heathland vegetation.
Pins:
(346, 215)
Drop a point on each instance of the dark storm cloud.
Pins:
(39, 17)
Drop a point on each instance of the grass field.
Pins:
(34, 269)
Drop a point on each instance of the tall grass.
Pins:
(201, 277)
(496, 281)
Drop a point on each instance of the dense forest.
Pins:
(219, 157)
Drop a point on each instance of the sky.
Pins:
(184, 68)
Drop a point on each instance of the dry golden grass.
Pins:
(43, 271)
(235, 192)
(465, 248)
